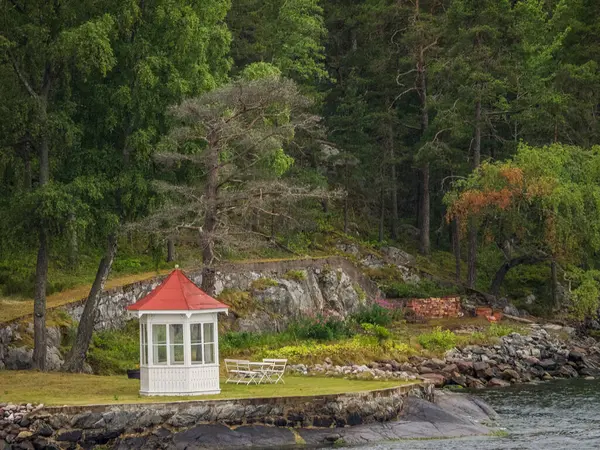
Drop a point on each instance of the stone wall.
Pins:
(109, 424)
(438, 307)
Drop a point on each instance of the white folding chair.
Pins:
(238, 371)
(276, 371)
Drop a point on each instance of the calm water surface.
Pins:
(559, 415)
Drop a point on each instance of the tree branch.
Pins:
(23, 80)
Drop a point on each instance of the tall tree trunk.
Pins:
(41, 272)
(394, 184)
(25, 153)
(381, 216)
(425, 208)
(456, 248)
(27, 184)
(554, 280)
(210, 219)
(73, 243)
(170, 249)
(39, 303)
(472, 255)
(425, 212)
(76, 357)
(477, 142)
(347, 186)
(472, 233)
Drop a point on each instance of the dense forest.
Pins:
(154, 130)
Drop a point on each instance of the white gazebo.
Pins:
(179, 343)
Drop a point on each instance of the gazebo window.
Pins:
(203, 343)
(159, 344)
(144, 344)
(196, 343)
(209, 343)
(176, 343)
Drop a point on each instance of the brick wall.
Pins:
(436, 307)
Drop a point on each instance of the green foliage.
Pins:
(586, 297)
(258, 70)
(295, 275)
(232, 342)
(260, 284)
(373, 314)
(438, 340)
(358, 349)
(499, 330)
(114, 352)
(240, 302)
(362, 295)
(321, 328)
(381, 333)
(287, 33)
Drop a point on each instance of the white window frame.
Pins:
(156, 345)
(170, 354)
(143, 344)
(206, 344)
(203, 344)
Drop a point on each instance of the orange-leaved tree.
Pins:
(541, 205)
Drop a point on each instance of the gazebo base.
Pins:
(178, 394)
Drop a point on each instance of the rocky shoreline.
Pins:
(514, 359)
(422, 414)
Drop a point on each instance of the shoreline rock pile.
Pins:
(514, 359)
(14, 421)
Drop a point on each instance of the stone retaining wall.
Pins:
(51, 427)
(435, 308)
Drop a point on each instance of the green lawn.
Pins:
(79, 389)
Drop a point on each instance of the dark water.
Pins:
(550, 416)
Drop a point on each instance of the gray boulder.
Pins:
(18, 358)
(398, 257)
(54, 359)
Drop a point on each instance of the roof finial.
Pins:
(176, 266)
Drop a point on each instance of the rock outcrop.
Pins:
(289, 290)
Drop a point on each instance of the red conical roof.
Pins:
(177, 293)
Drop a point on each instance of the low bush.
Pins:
(261, 284)
(240, 302)
(373, 314)
(295, 275)
(382, 334)
(360, 349)
(235, 341)
(113, 352)
(321, 328)
(362, 295)
(438, 340)
(498, 330)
